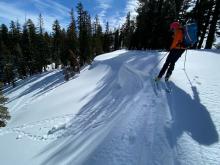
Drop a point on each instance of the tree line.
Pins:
(28, 49)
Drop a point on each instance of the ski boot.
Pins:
(156, 79)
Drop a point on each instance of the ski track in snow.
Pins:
(126, 122)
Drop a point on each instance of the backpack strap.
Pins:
(188, 34)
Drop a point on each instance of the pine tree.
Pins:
(4, 114)
(7, 68)
(14, 46)
(41, 46)
(127, 32)
(56, 52)
(48, 47)
(21, 66)
(8, 74)
(97, 37)
(71, 34)
(85, 34)
(71, 41)
(116, 40)
(24, 65)
(64, 48)
(5, 56)
(107, 39)
(4, 35)
(33, 62)
(5, 46)
(88, 51)
(41, 24)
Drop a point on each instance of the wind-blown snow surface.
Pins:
(109, 114)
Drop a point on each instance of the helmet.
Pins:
(174, 25)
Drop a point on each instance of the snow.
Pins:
(110, 114)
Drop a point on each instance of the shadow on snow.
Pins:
(46, 83)
(190, 116)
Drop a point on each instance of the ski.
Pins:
(166, 86)
(156, 87)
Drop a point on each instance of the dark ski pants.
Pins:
(172, 58)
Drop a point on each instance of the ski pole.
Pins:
(185, 61)
(160, 61)
(187, 76)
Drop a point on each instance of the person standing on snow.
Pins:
(177, 49)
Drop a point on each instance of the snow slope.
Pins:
(110, 114)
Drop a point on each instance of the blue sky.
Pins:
(113, 11)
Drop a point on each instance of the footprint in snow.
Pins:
(19, 137)
(199, 83)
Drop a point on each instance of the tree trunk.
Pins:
(204, 28)
(212, 30)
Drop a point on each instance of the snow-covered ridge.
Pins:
(109, 113)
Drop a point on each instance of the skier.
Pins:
(177, 49)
